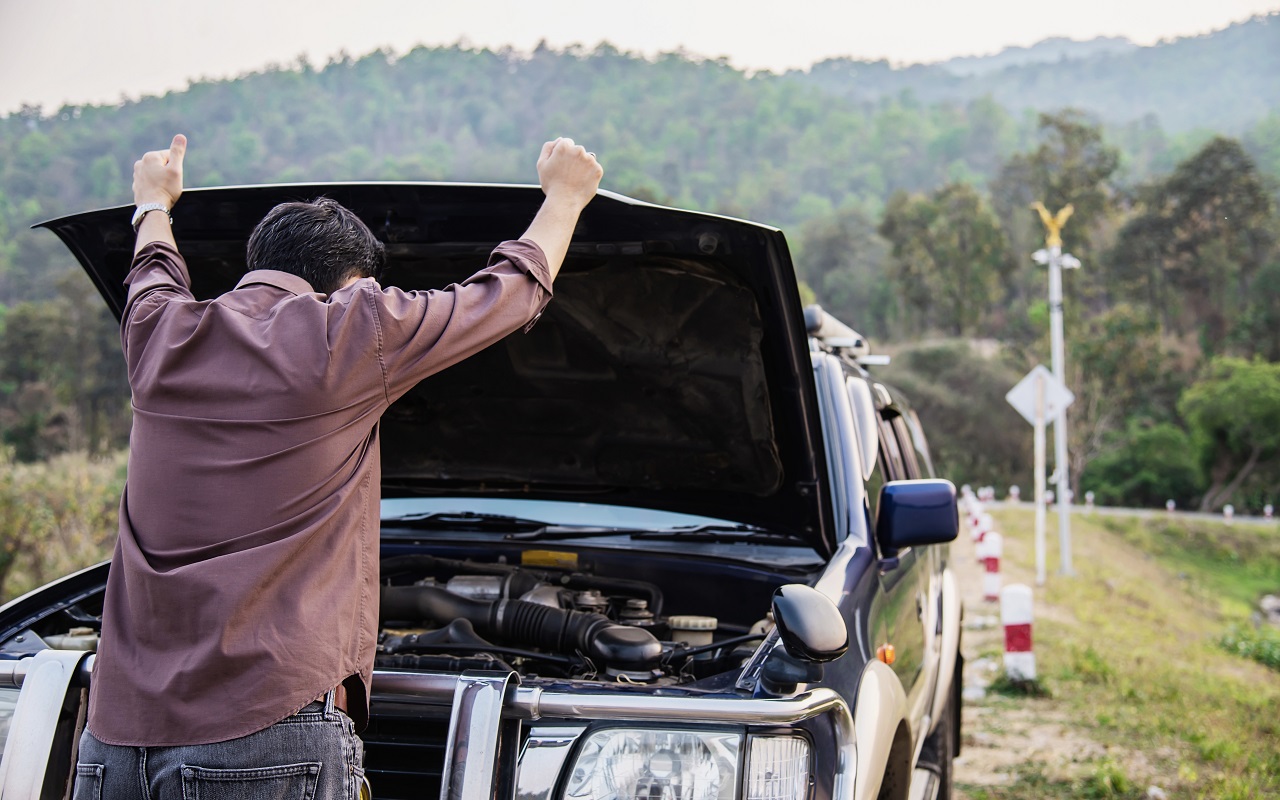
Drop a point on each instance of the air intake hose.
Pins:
(555, 629)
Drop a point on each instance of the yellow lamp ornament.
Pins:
(1053, 223)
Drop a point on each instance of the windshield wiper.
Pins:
(515, 528)
(711, 532)
(466, 521)
(531, 530)
(728, 534)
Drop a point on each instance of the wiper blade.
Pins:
(549, 533)
(466, 521)
(516, 528)
(730, 534)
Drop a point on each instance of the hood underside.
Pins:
(670, 371)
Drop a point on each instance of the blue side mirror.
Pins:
(915, 513)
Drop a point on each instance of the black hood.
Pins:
(671, 370)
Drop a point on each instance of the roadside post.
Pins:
(1016, 617)
(992, 550)
(1041, 398)
(1057, 260)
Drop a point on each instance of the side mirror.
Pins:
(809, 624)
(916, 512)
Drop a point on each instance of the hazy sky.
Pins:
(77, 51)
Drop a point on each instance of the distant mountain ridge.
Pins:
(1046, 51)
(1223, 81)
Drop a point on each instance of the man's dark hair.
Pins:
(321, 241)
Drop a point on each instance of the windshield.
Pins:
(553, 512)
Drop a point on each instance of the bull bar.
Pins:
(51, 683)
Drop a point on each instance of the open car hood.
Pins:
(671, 370)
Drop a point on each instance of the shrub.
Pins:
(56, 516)
(1261, 644)
(1150, 464)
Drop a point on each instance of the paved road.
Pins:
(1144, 513)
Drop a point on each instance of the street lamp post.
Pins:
(1057, 260)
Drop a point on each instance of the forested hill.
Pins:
(1226, 80)
(906, 208)
(694, 133)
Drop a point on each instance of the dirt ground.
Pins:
(1003, 737)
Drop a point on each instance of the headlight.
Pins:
(626, 763)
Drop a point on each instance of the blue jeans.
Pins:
(312, 755)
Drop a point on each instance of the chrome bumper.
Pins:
(481, 703)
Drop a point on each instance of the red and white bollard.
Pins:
(1228, 512)
(982, 526)
(992, 549)
(1016, 616)
(1268, 511)
(1015, 494)
(1169, 506)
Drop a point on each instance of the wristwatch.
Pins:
(144, 209)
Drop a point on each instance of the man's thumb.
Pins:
(178, 149)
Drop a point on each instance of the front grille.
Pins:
(404, 751)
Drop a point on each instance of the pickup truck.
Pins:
(674, 542)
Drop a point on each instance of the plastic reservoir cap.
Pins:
(691, 622)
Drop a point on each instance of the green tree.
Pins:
(950, 257)
(1147, 466)
(1072, 164)
(843, 257)
(974, 435)
(1195, 249)
(1234, 414)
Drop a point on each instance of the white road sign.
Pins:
(1056, 396)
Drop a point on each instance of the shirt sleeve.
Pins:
(423, 332)
(158, 275)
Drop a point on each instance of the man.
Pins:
(241, 609)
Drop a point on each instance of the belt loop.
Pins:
(329, 702)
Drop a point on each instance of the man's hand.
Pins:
(157, 176)
(568, 172)
(569, 177)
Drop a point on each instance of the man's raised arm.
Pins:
(569, 176)
(157, 185)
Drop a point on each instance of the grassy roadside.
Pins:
(1129, 652)
(56, 516)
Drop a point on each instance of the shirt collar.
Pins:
(273, 277)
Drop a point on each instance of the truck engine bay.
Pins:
(443, 614)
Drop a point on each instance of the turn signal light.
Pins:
(887, 654)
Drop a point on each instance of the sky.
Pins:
(56, 52)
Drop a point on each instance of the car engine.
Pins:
(443, 614)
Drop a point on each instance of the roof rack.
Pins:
(839, 337)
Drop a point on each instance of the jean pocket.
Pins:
(88, 782)
(285, 782)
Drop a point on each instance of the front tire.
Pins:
(943, 744)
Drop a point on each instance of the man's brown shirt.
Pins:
(244, 582)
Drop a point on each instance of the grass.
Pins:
(1148, 651)
(56, 517)
(1260, 644)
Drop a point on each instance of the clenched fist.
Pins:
(568, 172)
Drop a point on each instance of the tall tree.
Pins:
(950, 257)
(1195, 248)
(845, 260)
(1234, 414)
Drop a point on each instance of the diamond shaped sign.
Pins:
(1056, 395)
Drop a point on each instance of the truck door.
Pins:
(905, 597)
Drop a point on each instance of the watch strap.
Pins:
(147, 208)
